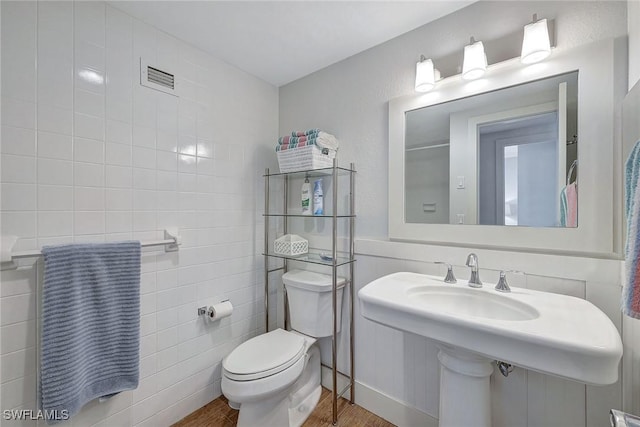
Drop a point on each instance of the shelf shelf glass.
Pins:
(313, 258)
(312, 172)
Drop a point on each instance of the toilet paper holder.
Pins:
(208, 311)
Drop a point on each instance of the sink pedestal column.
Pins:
(465, 395)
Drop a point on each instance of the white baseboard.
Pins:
(384, 406)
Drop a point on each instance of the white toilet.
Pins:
(275, 377)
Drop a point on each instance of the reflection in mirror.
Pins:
(507, 157)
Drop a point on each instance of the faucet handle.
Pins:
(472, 260)
(502, 285)
(450, 278)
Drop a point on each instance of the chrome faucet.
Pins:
(450, 278)
(474, 280)
(502, 285)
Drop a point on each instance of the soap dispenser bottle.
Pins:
(306, 197)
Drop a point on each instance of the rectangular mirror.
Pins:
(507, 192)
(505, 157)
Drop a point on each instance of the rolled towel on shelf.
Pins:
(288, 139)
(321, 139)
(305, 132)
(326, 140)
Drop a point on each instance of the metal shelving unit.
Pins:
(347, 258)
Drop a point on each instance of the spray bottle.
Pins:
(318, 195)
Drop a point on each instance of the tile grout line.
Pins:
(37, 232)
(73, 124)
(104, 131)
(37, 180)
(133, 80)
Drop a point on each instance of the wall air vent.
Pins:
(156, 78)
(160, 77)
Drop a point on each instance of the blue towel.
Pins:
(90, 323)
(631, 288)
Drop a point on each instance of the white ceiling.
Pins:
(281, 41)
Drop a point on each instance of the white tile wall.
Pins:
(633, 19)
(90, 155)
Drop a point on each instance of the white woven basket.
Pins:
(291, 245)
(305, 158)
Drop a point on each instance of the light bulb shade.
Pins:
(425, 76)
(535, 45)
(475, 61)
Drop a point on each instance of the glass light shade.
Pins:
(426, 76)
(475, 61)
(535, 45)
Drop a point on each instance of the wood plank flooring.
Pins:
(218, 414)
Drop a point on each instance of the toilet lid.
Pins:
(265, 354)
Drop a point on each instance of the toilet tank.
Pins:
(310, 302)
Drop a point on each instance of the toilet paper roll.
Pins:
(220, 310)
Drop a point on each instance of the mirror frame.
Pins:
(595, 64)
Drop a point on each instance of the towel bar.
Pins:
(171, 242)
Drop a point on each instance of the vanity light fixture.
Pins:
(426, 75)
(536, 45)
(475, 61)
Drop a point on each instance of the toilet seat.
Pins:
(264, 355)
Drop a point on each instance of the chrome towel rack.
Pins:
(171, 243)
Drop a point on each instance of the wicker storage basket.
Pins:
(291, 245)
(305, 158)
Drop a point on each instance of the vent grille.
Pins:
(157, 79)
(160, 77)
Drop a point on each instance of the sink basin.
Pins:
(549, 333)
(470, 302)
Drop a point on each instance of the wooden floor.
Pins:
(219, 414)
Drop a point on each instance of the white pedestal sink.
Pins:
(549, 333)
